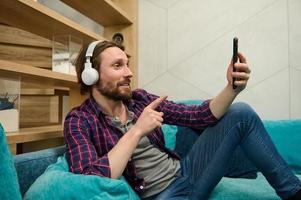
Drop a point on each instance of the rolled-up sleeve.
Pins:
(81, 153)
(195, 116)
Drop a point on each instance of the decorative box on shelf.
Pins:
(65, 49)
(9, 104)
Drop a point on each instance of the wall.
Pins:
(186, 45)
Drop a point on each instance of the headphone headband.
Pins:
(91, 47)
(90, 75)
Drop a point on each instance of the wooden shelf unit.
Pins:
(37, 18)
(105, 12)
(34, 133)
(28, 73)
(33, 17)
(44, 92)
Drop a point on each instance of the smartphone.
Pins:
(234, 58)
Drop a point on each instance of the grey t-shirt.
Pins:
(155, 166)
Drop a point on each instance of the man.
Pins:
(117, 132)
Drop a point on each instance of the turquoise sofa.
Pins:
(44, 174)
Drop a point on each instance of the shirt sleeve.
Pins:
(81, 153)
(194, 116)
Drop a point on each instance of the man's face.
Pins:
(115, 75)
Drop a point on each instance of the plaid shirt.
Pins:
(90, 134)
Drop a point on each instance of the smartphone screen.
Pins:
(234, 58)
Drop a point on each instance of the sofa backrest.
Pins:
(30, 166)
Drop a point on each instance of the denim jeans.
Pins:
(211, 157)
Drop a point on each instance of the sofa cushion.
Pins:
(9, 187)
(246, 189)
(31, 165)
(58, 183)
(286, 135)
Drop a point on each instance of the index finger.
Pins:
(242, 58)
(156, 102)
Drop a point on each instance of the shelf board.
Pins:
(34, 134)
(104, 12)
(38, 19)
(44, 92)
(34, 74)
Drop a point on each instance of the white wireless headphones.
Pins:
(90, 75)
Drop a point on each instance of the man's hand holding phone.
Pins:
(238, 70)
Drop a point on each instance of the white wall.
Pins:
(186, 45)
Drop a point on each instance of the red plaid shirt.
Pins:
(90, 135)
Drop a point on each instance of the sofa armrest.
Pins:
(30, 166)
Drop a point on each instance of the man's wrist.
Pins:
(136, 132)
(231, 91)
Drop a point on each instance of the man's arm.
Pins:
(120, 154)
(81, 154)
(83, 157)
(220, 104)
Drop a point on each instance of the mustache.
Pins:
(126, 81)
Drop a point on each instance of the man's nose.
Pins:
(128, 72)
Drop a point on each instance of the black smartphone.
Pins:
(234, 58)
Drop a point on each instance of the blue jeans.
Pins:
(211, 157)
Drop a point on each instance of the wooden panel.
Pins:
(41, 144)
(33, 17)
(39, 109)
(34, 134)
(105, 12)
(12, 35)
(75, 97)
(13, 148)
(128, 6)
(36, 89)
(46, 91)
(37, 92)
(37, 57)
(34, 74)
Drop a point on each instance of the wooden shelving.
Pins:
(36, 82)
(105, 12)
(29, 73)
(34, 134)
(44, 92)
(38, 19)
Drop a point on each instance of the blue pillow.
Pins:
(9, 187)
(286, 135)
(58, 183)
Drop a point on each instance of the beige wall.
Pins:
(186, 45)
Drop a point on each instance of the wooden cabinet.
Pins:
(31, 16)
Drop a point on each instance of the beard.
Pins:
(113, 92)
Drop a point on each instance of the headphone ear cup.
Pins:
(89, 76)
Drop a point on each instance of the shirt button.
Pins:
(141, 187)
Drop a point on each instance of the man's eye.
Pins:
(117, 65)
